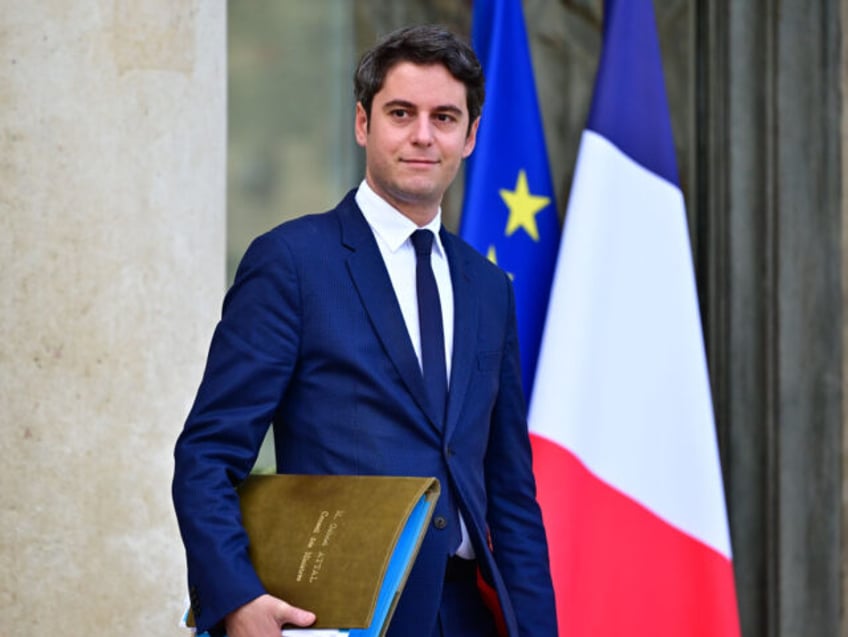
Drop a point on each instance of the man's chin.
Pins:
(418, 194)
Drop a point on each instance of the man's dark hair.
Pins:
(423, 44)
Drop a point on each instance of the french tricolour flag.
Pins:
(621, 417)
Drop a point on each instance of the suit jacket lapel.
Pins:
(464, 341)
(369, 275)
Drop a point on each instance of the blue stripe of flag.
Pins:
(630, 108)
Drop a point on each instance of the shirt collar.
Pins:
(390, 224)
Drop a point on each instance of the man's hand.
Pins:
(264, 617)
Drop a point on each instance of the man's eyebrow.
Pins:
(449, 108)
(398, 103)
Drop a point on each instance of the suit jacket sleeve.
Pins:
(518, 538)
(251, 357)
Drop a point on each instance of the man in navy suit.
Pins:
(320, 336)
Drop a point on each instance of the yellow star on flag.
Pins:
(492, 256)
(523, 207)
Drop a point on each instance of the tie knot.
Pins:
(422, 240)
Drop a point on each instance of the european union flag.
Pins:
(509, 213)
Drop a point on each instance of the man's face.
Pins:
(417, 137)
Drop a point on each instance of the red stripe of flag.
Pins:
(619, 568)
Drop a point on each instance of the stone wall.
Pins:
(112, 172)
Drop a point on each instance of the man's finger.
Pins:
(289, 614)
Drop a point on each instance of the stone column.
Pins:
(112, 217)
(843, 148)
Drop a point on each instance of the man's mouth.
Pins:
(415, 161)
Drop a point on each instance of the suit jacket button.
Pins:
(440, 522)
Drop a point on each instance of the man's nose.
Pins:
(423, 132)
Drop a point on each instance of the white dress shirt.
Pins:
(392, 230)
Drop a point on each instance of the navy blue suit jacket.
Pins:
(312, 339)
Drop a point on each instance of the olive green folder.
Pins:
(340, 546)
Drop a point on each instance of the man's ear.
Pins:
(471, 138)
(361, 124)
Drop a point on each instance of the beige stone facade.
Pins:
(112, 243)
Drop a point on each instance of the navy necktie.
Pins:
(430, 323)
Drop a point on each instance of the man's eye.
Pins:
(445, 117)
(399, 113)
